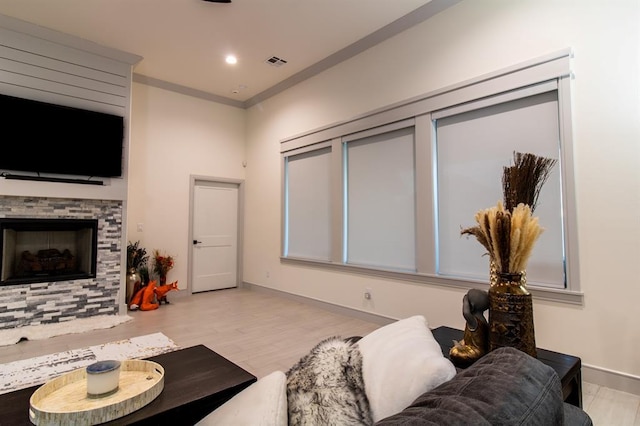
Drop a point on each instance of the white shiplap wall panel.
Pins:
(44, 70)
(46, 90)
(20, 56)
(52, 49)
(15, 60)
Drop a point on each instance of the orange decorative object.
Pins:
(162, 290)
(136, 299)
(148, 297)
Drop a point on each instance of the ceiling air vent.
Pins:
(275, 61)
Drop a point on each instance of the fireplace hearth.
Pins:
(42, 250)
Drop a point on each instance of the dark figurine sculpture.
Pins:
(476, 331)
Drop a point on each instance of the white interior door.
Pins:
(215, 236)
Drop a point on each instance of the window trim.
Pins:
(550, 67)
(550, 72)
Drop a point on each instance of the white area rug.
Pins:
(44, 331)
(35, 371)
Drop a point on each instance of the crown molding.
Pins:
(409, 20)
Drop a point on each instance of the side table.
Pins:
(568, 368)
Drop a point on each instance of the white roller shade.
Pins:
(308, 205)
(472, 149)
(381, 200)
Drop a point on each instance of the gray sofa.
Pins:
(397, 375)
(505, 387)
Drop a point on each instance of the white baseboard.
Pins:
(338, 309)
(590, 373)
(611, 379)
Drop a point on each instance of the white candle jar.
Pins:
(103, 378)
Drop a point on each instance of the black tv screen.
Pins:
(46, 138)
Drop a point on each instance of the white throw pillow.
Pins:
(264, 403)
(400, 362)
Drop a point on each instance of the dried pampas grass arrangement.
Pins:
(522, 182)
(508, 236)
(509, 231)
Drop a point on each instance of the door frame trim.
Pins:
(193, 181)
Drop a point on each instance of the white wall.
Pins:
(174, 136)
(463, 42)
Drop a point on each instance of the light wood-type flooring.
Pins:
(262, 332)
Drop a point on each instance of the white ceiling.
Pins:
(184, 42)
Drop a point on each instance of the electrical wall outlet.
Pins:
(368, 294)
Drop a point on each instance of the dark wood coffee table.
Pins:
(567, 367)
(196, 381)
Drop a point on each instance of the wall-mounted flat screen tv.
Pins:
(46, 138)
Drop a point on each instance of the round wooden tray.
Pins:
(64, 399)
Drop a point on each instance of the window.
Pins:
(388, 193)
(308, 205)
(472, 148)
(380, 206)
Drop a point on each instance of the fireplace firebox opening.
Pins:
(43, 250)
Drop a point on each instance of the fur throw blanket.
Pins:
(326, 387)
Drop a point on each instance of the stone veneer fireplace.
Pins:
(56, 300)
(36, 250)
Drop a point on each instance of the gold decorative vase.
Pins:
(134, 282)
(510, 312)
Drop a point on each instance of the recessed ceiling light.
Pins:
(239, 89)
(230, 59)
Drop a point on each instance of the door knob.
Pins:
(197, 242)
